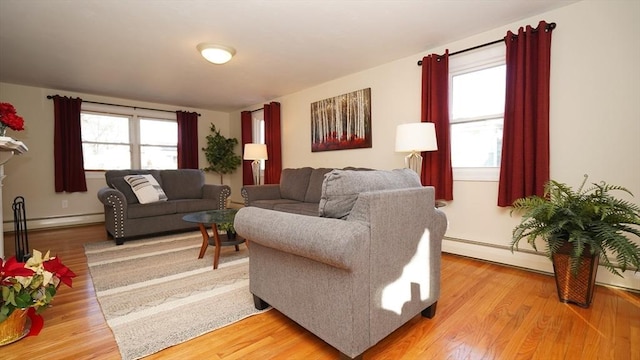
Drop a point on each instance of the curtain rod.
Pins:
(133, 107)
(550, 26)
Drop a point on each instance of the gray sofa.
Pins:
(298, 192)
(368, 264)
(126, 218)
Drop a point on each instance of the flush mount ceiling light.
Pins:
(216, 54)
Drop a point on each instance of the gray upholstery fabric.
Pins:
(314, 190)
(294, 183)
(182, 184)
(126, 218)
(350, 282)
(340, 188)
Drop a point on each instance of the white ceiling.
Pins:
(146, 50)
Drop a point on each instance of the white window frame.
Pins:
(134, 115)
(475, 60)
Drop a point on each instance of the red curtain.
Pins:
(524, 166)
(436, 165)
(247, 137)
(187, 139)
(67, 145)
(273, 140)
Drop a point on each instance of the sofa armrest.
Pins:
(339, 243)
(251, 193)
(111, 197)
(220, 193)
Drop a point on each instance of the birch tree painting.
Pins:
(342, 122)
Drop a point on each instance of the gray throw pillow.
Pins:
(340, 188)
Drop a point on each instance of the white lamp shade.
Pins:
(255, 152)
(416, 137)
(216, 54)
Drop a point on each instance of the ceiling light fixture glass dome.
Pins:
(217, 54)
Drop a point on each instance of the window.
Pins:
(477, 92)
(128, 138)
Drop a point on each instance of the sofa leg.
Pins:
(119, 241)
(259, 303)
(347, 357)
(430, 312)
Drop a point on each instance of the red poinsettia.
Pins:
(11, 268)
(9, 118)
(58, 270)
(32, 284)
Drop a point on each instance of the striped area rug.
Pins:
(155, 293)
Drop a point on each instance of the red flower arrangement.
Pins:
(9, 118)
(32, 284)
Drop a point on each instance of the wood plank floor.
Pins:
(486, 311)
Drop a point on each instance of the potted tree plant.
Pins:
(580, 229)
(219, 153)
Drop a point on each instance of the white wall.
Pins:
(32, 174)
(594, 115)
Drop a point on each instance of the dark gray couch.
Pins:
(299, 191)
(186, 190)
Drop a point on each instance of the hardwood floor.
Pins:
(486, 311)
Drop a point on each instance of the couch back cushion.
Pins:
(294, 183)
(341, 188)
(183, 183)
(115, 180)
(314, 190)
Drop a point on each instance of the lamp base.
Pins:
(413, 161)
(255, 168)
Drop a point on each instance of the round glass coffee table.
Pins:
(214, 217)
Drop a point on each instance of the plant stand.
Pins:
(575, 288)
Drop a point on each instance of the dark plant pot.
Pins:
(575, 288)
(231, 235)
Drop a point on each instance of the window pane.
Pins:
(158, 157)
(158, 132)
(106, 156)
(104, 128)
(476, 144)
(479, 93)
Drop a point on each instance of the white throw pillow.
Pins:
(146, 188)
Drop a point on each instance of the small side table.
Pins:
(214, 217)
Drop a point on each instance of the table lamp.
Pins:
(255, 152)
(415, 138)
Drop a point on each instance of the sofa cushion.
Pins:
(302, 208)
(314, 190)
(184, 206)
(136, 211)
(294, 183)
(269, 204)
(340, 188)
(146, 188)
(183, 184)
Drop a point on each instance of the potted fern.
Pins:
(581, 228)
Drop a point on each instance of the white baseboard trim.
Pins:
(531, 260)
(54, 222)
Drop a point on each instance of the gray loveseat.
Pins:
(366, 266)
(298, 192)
(185, 189)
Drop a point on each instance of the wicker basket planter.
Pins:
(575, 288)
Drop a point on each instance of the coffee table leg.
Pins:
(205, 241)
(216, 237)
